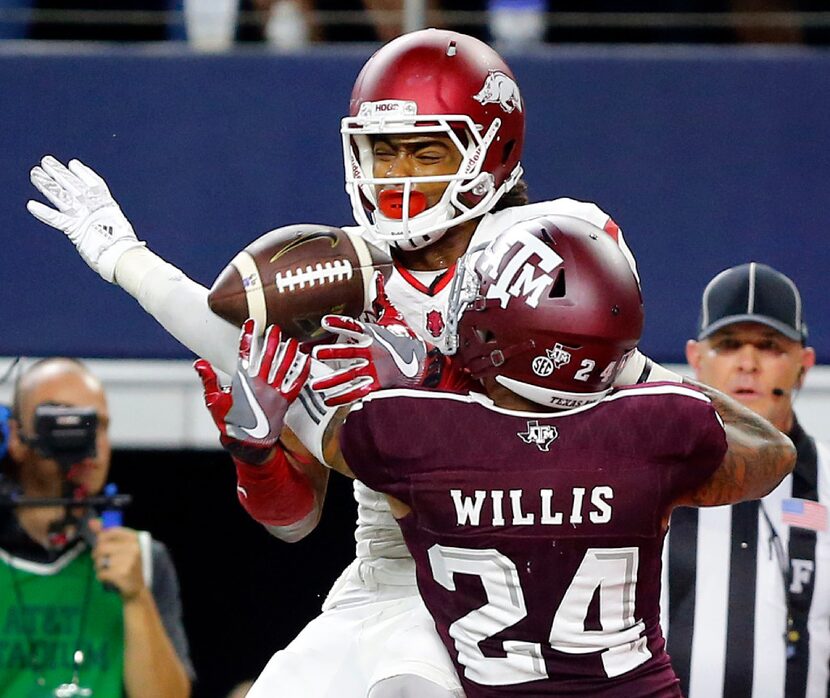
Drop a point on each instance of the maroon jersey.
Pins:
(537, 536)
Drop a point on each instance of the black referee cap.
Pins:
(752, 292)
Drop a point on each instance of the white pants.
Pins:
(366, 633)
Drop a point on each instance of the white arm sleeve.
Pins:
(308, 417)
(179, 305)
(638, 368)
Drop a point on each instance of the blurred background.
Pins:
(701, 126)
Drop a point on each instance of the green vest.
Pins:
(51, 619)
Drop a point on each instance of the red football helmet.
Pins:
(550, 308)
(434, 81)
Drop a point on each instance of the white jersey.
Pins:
(422, 298)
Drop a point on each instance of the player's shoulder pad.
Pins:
(582, 210)
(388, 433)
(666, 420)
(656, 390)
(414, 393)
(653, 399)
(493, 223)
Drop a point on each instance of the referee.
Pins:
(746, 588)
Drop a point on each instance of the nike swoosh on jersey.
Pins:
(408, 368)
(261, 428)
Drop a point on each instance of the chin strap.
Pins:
(388, 227)
(480, 366)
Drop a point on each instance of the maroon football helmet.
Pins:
(434, 81)
(550, 308)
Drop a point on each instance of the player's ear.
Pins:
(808, 360)
(693, 354)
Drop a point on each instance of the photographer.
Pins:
(86, 609)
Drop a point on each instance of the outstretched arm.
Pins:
(758, 456)
(179, 305)
(83, 208)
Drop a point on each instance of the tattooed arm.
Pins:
(757, 459)
(331, 443)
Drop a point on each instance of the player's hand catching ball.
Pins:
(270, 374)
(368, 357)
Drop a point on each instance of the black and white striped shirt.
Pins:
(724, 607)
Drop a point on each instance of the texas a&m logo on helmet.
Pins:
(527, 275)
(553, 359)
(547, 310)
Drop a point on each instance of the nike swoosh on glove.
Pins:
(269, 376)
(368, 357)
(84, 211)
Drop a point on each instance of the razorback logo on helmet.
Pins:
(435, 323)
(499, 88)
(518, 278)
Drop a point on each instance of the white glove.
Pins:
(86, 213)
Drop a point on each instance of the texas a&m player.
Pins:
(537, 539)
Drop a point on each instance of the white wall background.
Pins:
(158, 404)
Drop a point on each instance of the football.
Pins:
(294, 275)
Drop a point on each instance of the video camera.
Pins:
(66, 434)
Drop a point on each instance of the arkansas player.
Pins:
(432, 149)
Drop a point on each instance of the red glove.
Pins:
(249, 416)
(372, 357)
(250, 413)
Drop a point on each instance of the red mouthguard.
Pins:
(390, 203)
